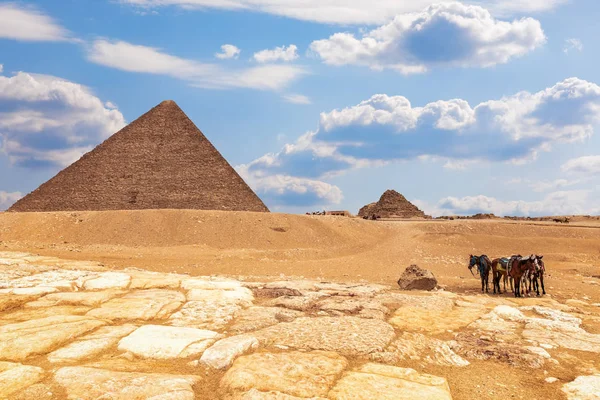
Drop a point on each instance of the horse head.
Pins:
(472, 262)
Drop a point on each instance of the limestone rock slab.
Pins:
(415, 346)
(90, 299)
(39, 336)
(254, 318)
(221, 354)
(167, 342)
(140, 305)
(583, 388)
(294, 373)
(350, 336)
(377, 381)
(14, 377)
(91, 345)
(91, 383)
(108, 280)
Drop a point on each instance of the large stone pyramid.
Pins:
(391, 205)
(160, 160)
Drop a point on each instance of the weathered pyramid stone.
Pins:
(391, 205)
(160, 160)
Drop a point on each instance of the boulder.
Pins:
(416, 278)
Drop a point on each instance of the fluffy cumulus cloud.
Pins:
(48, 121)
(135, 58)
(7, 199)
(555, 203)
(291, 191)
(282, 53)
(586, 165)
(449, 34)
(343, 11)
(385, 129)
(25, 23)
(228, 51)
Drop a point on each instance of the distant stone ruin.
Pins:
(161, 160)
(391, 205)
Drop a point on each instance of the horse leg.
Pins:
(542, 281)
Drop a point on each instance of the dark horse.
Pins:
(520, 268)
(537, 273)
(484, 265)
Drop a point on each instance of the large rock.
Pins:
(39, 336)
(14, 378)
(91, 345)
(583, 388)
(221, 354)
(376, 381)
(295, 373)
(167, 342)
(351, 336)
(141, 305)
(91, 383)
(27, 314)
(416, 278)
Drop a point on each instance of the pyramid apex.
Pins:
(167, 102)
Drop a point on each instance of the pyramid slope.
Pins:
(392, 205)
(159, 161)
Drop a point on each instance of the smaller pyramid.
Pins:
(391, 204)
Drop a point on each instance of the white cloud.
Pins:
(555, 203)
(296, 99)
(1, 68)
(587, 165)
(228, 51)
(48, 121)
(7, 199)
(25, 23)
(448, 34)
(287, 190)
(344, 11)
(135, 58)
(385, 129)
(572, 44)
(282, 53)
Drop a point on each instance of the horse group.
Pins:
(527, 273)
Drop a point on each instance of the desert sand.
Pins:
(185, 304)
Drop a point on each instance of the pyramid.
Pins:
(391, 204)
(161, 160)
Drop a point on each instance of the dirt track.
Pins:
(268, 245)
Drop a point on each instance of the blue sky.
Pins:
(479, 106)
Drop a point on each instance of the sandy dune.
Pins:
(268, 245)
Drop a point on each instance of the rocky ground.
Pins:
(77, 330)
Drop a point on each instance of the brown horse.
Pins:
(500, 271)
(537, 273)
(484, 265)
(519, 269)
